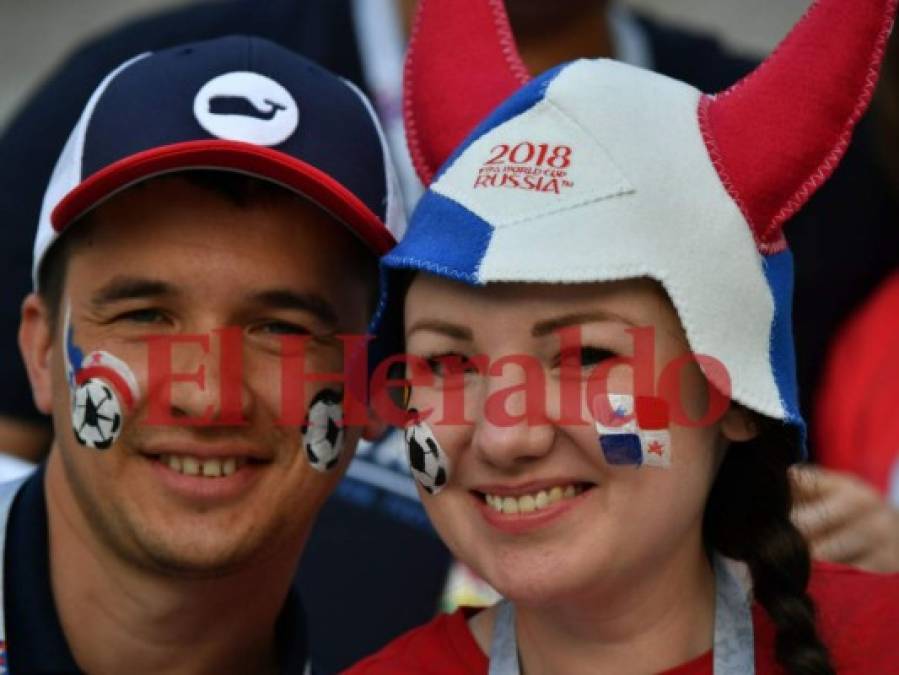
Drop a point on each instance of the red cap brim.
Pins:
(236, 156)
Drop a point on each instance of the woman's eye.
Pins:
(586, 357)
(591, 356)
(451, 363)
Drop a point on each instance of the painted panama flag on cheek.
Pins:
(102, 388)
(634, 432)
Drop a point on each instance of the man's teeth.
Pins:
(215, 467)
(534, 502)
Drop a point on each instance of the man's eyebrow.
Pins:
(283, 298)
(549, 326)
(452, 330)
(129, 288)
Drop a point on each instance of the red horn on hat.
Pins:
(778, 134)
(462, 62)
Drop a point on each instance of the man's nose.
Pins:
(210, 386)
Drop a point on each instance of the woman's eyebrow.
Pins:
(446, 328)
(549, 326)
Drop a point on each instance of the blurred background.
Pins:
(36, 34)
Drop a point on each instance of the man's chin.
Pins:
(205, 555)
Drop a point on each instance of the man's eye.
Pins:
(283, 328)
(148, 315)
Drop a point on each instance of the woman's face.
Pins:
(621, 521)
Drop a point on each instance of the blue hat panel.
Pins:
(444, 238)
(778, 269)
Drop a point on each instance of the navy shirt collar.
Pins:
(35, 642)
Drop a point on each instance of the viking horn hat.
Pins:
(597, 171)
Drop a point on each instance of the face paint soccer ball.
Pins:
(426, 458)
(323, 433)
(96, 415)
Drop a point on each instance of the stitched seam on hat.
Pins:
(772, 56)
(717, 158)
(826, 168)
(563, 209)
(758, 233)
(507, 42)
(409, 262)
(766, 247)
(413, 137)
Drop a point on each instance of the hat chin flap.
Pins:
(777, 135)
(457, 70)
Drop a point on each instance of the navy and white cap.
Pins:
(239, 104)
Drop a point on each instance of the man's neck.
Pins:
(585, 34)
(119, 618)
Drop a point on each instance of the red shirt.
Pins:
(857, 425)
(858, 618)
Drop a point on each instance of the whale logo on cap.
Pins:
(246, 106)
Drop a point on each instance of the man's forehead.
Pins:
(265, 246)
(122, 288)
(201, 211)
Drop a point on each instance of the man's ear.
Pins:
(739, 424)
(36, 346)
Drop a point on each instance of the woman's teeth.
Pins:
(534, 502)
(215, 467)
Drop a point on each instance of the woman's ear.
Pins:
(739, 424)
(36, 346)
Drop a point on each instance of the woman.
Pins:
(636, 519)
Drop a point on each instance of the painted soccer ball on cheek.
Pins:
(96, 415)
(427, 460)
(323, 433)
(99, 384)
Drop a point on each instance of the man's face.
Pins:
(169, 258)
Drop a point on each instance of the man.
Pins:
(216, 214)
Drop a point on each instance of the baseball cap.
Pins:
(238, 104)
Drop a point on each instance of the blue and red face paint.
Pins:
(633, 431)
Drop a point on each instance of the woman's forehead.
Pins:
(638, 302)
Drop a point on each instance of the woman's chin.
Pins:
(539, 582)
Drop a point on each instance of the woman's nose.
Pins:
(512, 427)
